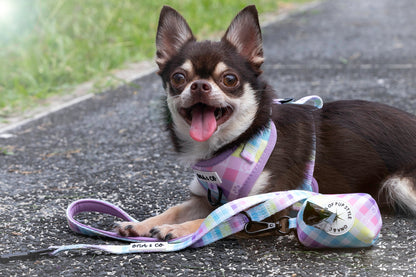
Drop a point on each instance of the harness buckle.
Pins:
(215, 202)
(286, 100)
(281, 226)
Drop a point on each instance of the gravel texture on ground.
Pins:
(113, 147)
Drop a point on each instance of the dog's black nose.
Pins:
(200, 86)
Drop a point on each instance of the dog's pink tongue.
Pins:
(203, 123)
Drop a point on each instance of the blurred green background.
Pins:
(51, 46)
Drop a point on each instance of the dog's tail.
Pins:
(400, 192)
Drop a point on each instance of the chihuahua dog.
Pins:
(217, 101)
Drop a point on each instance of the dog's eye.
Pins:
(229, 80)
(178, 79)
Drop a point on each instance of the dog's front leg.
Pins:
(177, 221)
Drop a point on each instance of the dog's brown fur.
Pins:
(360, 146)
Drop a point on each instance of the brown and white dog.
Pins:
(216, 100)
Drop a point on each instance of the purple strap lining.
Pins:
(94, 205)
(314, 185)
(252, 178)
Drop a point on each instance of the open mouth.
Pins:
(204, 119)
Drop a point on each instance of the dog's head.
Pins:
(213, 90)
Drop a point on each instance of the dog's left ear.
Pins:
(245, 35)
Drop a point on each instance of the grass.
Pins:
(50, 46)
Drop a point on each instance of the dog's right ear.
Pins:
(172, 34)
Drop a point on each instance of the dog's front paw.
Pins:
(173, 231)
(132, 229)
(169, 231)
(164, 232)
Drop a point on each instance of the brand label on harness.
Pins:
(148, 246)
(208, 177)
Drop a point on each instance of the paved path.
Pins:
(113, 147)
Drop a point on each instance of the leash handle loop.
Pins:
(100, 206)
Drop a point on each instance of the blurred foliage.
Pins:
(50, 46)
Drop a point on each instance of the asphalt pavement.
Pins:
(113, 147)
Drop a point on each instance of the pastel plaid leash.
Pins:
(360, 230)
(222, 222)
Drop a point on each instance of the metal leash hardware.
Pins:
(281, 226)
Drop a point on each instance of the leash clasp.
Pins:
(281, 226)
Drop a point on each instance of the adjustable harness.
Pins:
(233, 173)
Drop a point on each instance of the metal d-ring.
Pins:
(280, 225)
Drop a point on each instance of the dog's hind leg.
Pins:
(399, 191)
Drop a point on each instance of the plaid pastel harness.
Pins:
(233, 173)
